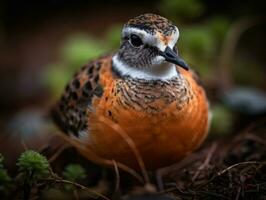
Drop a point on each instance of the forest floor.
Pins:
(229, 168)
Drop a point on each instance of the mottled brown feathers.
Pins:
(71, 112)
(152, 23)
(172, 115)
(143, 95)
(166, 118)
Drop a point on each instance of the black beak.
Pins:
(172, 57)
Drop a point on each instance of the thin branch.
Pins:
(255, 138)
(229, 168)
(76, 194)
(130, 143)
(93, 157)
(177, 167)
(59, 180)
(58, 152)
(229, 47)
(117, 185)
(206, 161)
(238, 193)
(238, 164)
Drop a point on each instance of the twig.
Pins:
(238, 193)
(172, 189)
(93, 157)
(173, 168)
(46, 145)
(238, 164)
(58, 152)
(255, 138)
(229, 168)
(59, 180)
(130, 143)
(117, 185)
(76, 194)
(206, 161)
(229, 46)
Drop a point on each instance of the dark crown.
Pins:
(152, 23)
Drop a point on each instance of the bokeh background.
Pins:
(43, 43)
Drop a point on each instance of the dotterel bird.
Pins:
(146, 90)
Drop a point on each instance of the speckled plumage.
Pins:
(72, 110)
(165, 118)
(142, 95)
(152, 23)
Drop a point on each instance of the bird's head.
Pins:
(148, 48)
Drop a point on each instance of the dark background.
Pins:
(33, 36)
(43, 43)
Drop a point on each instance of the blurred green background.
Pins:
(43, 44)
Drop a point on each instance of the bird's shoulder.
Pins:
(70, 112)
(192, 76)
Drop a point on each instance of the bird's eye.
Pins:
(135, 40)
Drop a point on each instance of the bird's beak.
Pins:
(172, 57)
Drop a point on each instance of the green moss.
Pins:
(74, 172)
(33, 164)
(4, 177)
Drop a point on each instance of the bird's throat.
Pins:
(163, 71)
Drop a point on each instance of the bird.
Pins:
(142, 95)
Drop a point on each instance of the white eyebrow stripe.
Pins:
(149, 38)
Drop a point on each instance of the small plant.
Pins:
(34, 171)
(5, 179)
(32, 167)
(74, 172)
(33, 164)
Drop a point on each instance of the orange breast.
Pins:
(165, 124)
